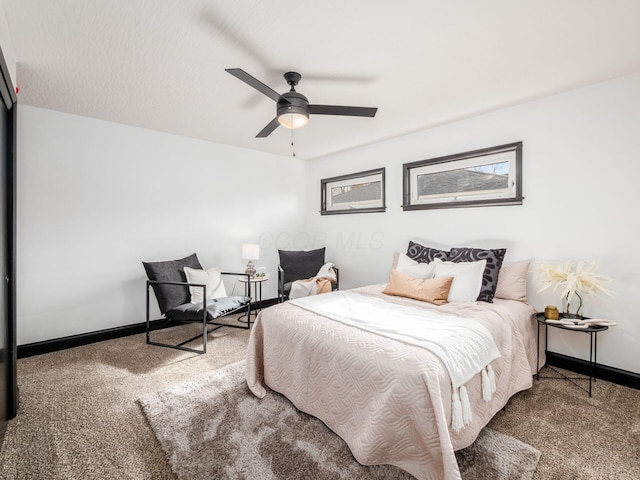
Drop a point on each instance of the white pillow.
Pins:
(212, 278)
(414, 269)
(467, 279)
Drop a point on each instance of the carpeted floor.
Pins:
(269, 439)
(79, 419)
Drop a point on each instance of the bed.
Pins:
(389, 400)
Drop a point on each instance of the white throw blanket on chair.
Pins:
(465, 347)
(309, 286)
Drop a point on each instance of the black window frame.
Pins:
(359, 177)
(409, 168)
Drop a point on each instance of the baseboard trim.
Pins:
(57, 344)
(610, 374)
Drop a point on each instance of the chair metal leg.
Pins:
(204, 320)
(147, 321)
(206, 325)
(179, 346)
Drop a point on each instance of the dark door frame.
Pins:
(8, 96)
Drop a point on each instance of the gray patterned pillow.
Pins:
(494, 260)
(422, 254)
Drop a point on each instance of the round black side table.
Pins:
(592, 330)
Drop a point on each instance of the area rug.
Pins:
(212, 427)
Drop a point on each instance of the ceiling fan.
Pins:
(293, 108)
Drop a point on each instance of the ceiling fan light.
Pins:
(293, 120)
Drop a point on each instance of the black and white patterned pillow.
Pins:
(494, 260)
(422, 254)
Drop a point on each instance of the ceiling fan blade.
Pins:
(257, 84)
(271, 126)
(342, 110)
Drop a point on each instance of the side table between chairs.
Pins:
(257, 288)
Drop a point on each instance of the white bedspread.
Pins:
(464, 346)
(389, 400)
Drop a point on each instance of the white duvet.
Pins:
(390, 400)
(465, 347)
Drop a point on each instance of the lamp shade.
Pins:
(250, 251)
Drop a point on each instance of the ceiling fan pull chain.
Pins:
(293, 143)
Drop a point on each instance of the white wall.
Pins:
(581, 166)
(96, 198)
(93, 202)
(7, 45)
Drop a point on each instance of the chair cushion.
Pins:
(170, 296)
(298, 265)
(217, 307)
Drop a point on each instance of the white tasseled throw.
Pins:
(464, 346)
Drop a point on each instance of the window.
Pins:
(361, 192)
(491, 176)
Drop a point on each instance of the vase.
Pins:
(569, 306)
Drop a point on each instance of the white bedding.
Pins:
(464, 347)
(389, 400)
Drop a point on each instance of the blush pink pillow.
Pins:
(432, 290)
(512, 281)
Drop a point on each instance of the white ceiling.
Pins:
(159, 64)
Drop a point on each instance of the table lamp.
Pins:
(250, 252)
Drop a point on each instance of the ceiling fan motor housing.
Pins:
(295, 103)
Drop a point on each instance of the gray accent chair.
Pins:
(299, 265)
(169, 283)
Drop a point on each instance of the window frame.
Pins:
(513, 196)
(326, 184)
